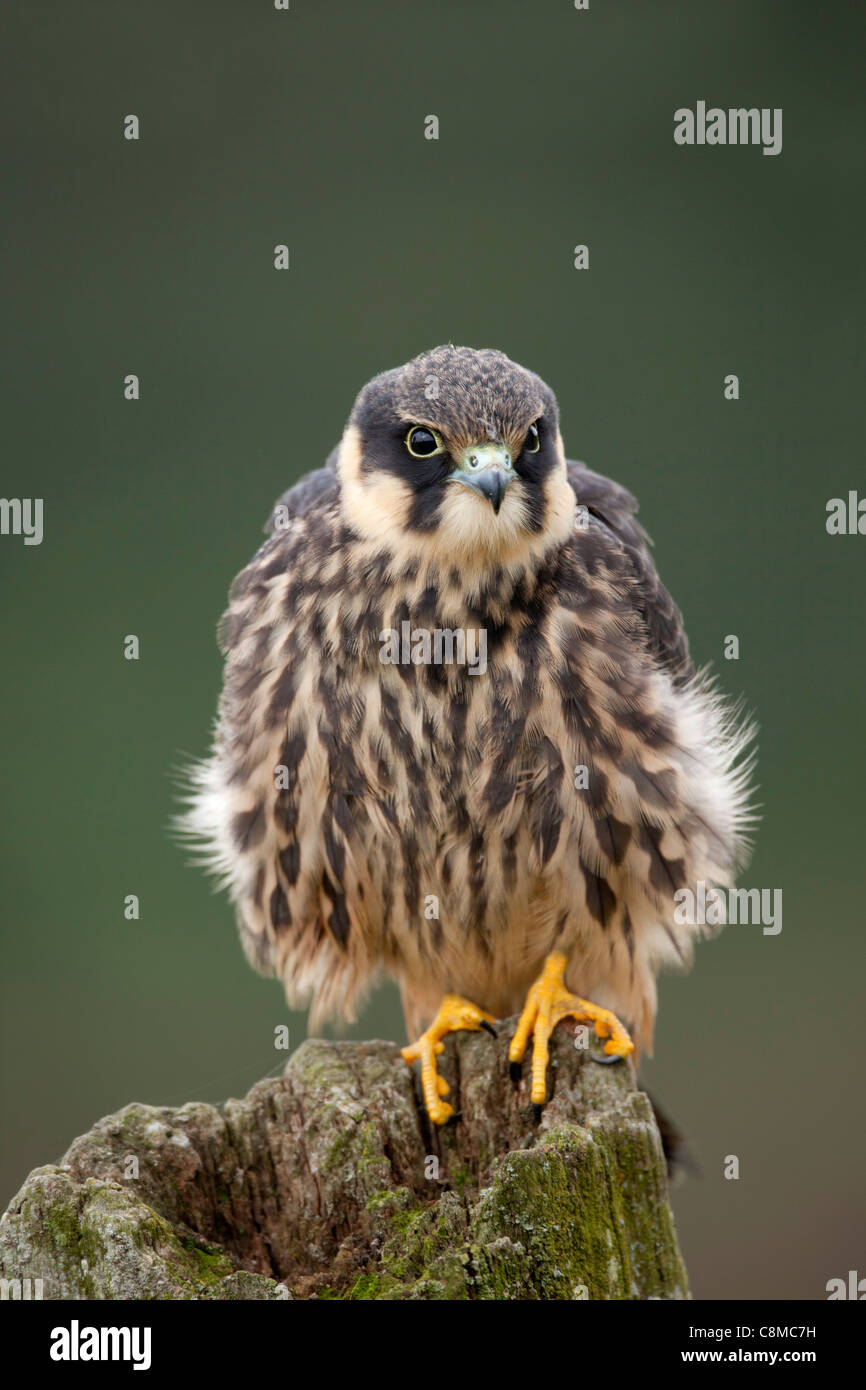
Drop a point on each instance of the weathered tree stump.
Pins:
(328, 1182)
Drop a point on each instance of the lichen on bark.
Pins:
(328, 1182)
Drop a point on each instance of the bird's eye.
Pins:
(532, 443)
(422, 443)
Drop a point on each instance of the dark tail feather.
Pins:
(678, 1153)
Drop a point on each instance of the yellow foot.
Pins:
(455, 1014)
(547, 1003)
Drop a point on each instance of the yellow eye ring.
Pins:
(533, 441)
(423, 443)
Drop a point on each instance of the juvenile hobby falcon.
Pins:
(496, 836)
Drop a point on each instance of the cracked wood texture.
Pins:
(328, 1182)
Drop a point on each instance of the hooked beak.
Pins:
(487, 469)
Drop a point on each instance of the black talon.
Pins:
(515, 1071)
(488, 1028)
(536, 1111)
(606, 1061)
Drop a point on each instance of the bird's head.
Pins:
(457, 455)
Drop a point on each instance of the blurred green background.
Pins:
(156, 258)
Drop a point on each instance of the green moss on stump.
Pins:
(329, 1183)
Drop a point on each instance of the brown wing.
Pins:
(314, 490)
(614, 507)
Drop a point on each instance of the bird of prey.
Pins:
(461, 743)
